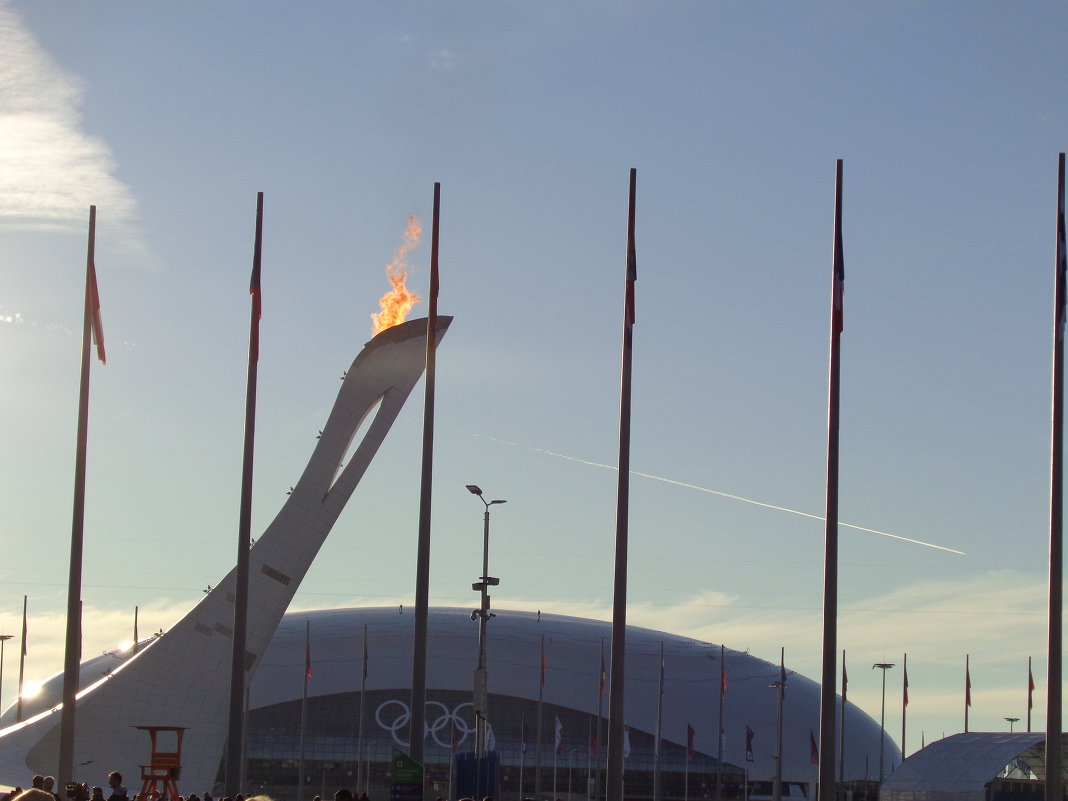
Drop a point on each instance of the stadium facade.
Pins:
(535, 754)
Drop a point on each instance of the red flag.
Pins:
(813, 749)
(632, 256)
(1062, 256)
(689, 742)
(723, 680)
(838, 287)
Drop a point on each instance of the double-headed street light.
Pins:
(884, 666)
(482, 615)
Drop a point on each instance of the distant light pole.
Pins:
(3, 639)
(884, 666)
(1010, 721)
(482, 615)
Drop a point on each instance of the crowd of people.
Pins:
(42, 788)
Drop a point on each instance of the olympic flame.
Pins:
(395, 304)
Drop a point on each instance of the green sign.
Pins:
(407, 775)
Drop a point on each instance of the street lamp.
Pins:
(3, 639)
(482, 615)
(1010, 721)
(884, 666)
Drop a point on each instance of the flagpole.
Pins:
(600, 719)
(842, 733)
(776, 787)
(658, 743)
(537, 731)
(719, 727)
(361, 772)
(830, 569)
(22, 660)
(1054, 756)
(72, 651)
(235, 742)
(614, 782)
(136, 639)
(422, 570)
(304, 706)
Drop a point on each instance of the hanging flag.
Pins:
(749, 734)
(626, 742)
(905, 687)
(559, 740)
(92, 293)
(1030, 689)
(813, 749)
(689, 742)
(838, 290)
(1062, 258)
(525, 738)
(603, 674)
(254, 282)
(491, 738)
(845, 680)
(593, 742)
(632, 254)
(967, 685)
(723, 681)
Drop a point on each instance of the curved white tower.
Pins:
(182, 678)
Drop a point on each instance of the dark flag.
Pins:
(749, 734)
(92, 296)
(689, 742)
(813, 749)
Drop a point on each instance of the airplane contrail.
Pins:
(732, 497)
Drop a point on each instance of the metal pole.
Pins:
(22, 660)
(422, 570)
(3, 639)
(884, 666)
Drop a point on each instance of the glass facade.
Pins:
(566, 766)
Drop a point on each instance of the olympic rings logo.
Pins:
(394, 716)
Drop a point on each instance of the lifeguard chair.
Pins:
(159, 778)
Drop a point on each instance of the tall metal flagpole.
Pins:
(719, 723)
(841, 739)
(1054, 757)
(614, 781)
(537, 731)
(304, 706)
(72, 653)
(422, 568)
(360, 769)
(235, 741)
(22, 660)
(830, 564)
(658, 744)
(904, 699)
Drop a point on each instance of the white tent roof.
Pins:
(957, 768)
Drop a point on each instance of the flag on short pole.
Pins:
(689, 742)
(559, 739)
(1030, 689)
(749, 734)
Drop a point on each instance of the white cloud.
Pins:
(442, 60)
(50, 169)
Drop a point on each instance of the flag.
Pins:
(723, 681)
(845, 681)
(603, 674)
(632, 255)
(813, 749)
(559, 740)
(491, 738)
(525, 737)
(1030, 689)
(748, 744)
(626, 742)
(838, 289)
(689, 742)
(967, 686)
(1062, 256)
(905, 687)
(593, 742)
(254, 283)
(92, 294)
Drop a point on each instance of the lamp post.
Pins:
(1011, 721)
(884, 666)
(3, 639)
(482, 615)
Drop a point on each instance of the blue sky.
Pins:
(948, 115)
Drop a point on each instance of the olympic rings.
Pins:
(452, 723)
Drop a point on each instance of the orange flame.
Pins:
(396, 303)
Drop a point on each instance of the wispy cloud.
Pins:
(51, 170)
(443, 60)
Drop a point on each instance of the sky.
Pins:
(171, 117)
